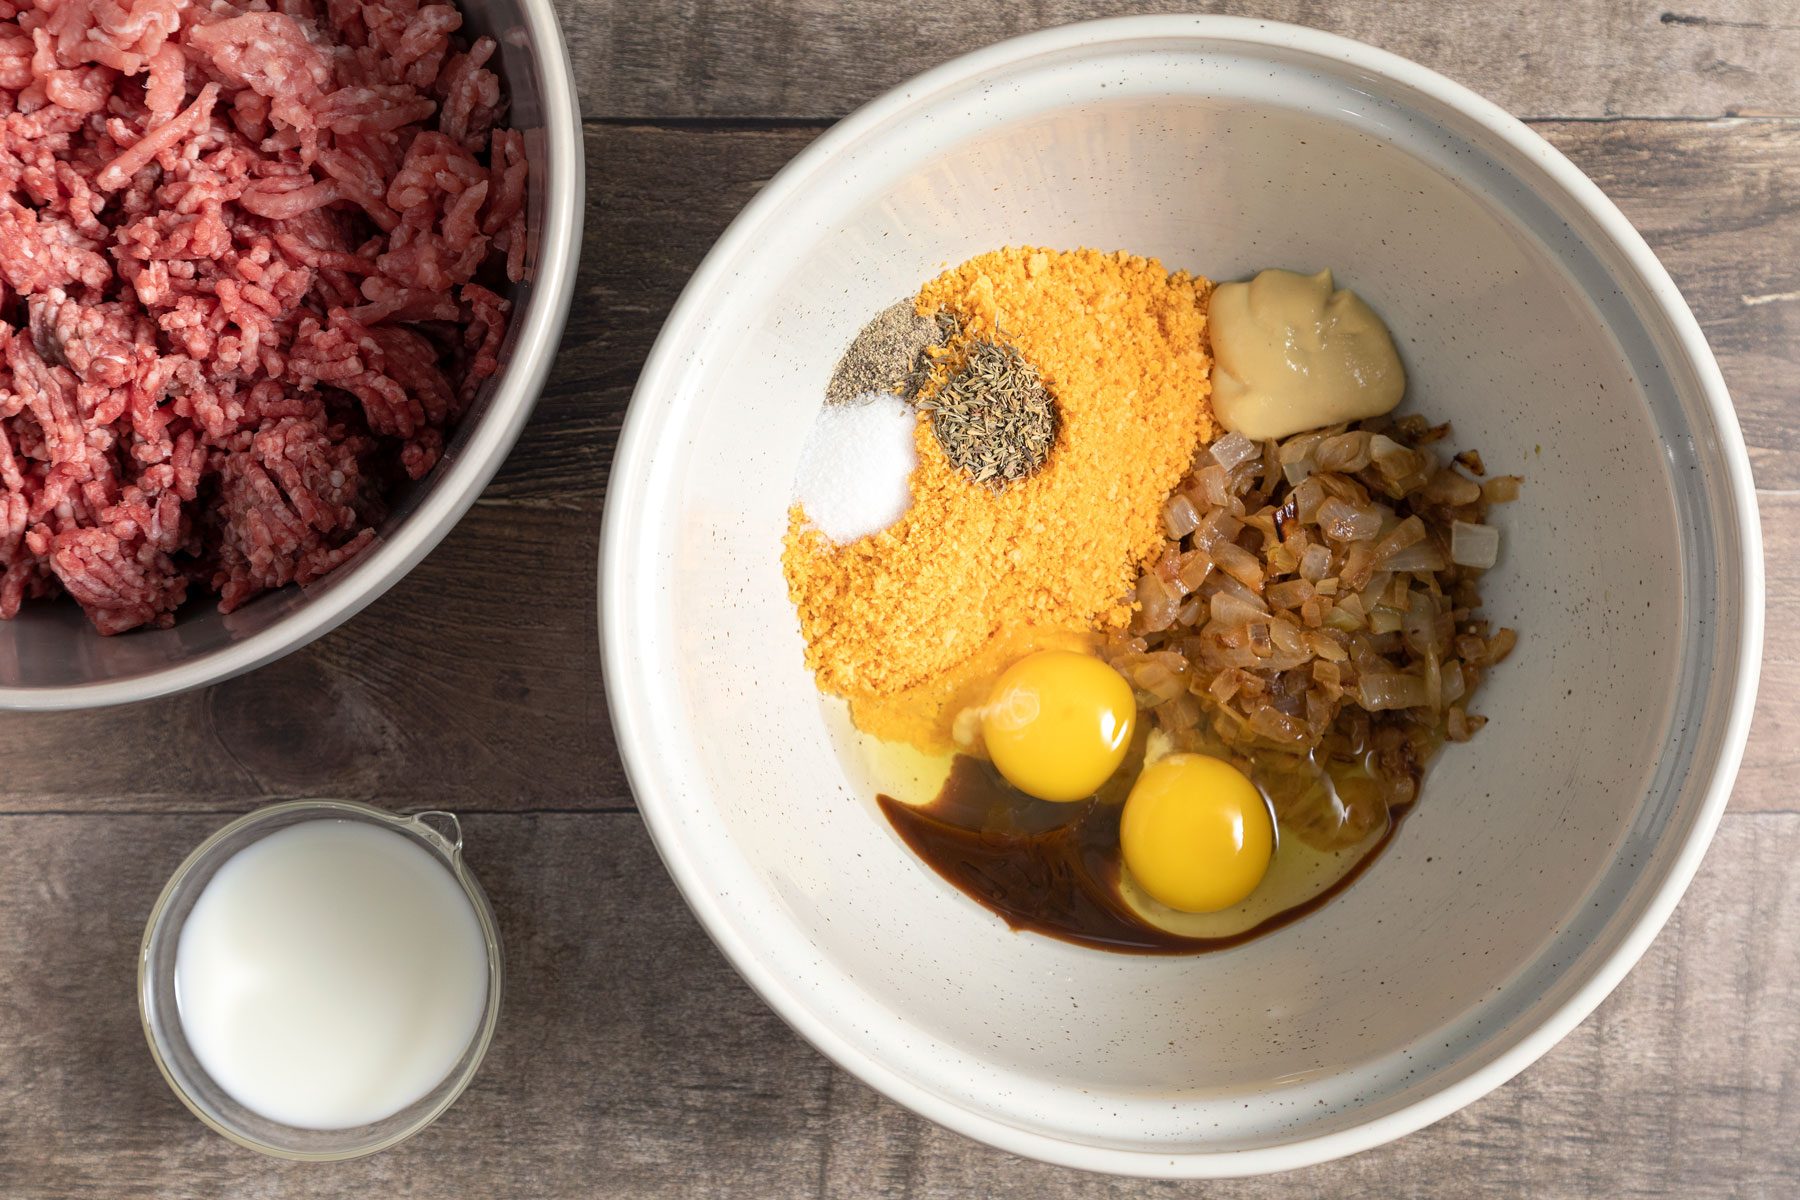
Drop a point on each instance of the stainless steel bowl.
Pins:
(49, 656)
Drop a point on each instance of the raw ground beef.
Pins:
(248, 253)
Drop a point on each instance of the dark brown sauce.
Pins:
(1054, 868)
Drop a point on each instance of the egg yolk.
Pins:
(1195, 833)
(1057, 724)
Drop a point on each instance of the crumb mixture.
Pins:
(916, 609)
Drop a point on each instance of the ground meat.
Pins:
(249, 253)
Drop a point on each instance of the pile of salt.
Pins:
(855, 467)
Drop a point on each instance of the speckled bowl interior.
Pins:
(1539, 850)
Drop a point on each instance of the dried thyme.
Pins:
(891, 354)
(994, 418)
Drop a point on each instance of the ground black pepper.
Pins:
(891, 355)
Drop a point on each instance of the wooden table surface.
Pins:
(631, 1060)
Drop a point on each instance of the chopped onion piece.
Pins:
(1359, 567)
(1345, 523)
(1238, 563)
(1231, 611)
(1389, 454)
(1180, 714)
(1226, 583)
(1291, 593)
(1180, 517)
(1346, 452)
(1474, 545)
(1452, 488)
(1225, 685)
(1288, 639)
(1315, 563)
(1501, 489)
(1454, 685)
(1214, 485)
(1376, 590)
(1193, 570)
(1215, 528)
(1156, 680)
(1378, 692)
(1423, 557)
(1471, 459)
(1233, 449)
(1384, 620)
(1277, 726)
(1307, 497)
(1409, 532)
(1421, 626)
(1296, 456)
(1327, 648)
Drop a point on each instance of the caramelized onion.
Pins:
(1316, 598)
(1475, 546)
(1232, 449)
(1180, 517)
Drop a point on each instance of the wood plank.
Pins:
(1710, 198)
(450, 691)
(456, 689)
(1772, 755)
(632, 1062)
(628, 1052)
(461, 683)
(1715, 200)
(810, 58)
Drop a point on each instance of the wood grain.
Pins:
(1717, 202)
(632, 1062)
(458, 689)
(1564, 58)
(454, 686)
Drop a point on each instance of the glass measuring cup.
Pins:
(440, 835)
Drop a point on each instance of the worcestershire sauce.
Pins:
(1054, 868)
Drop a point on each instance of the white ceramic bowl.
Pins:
(1544, 856)
(51, 658)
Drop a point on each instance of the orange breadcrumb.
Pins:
(905, 622)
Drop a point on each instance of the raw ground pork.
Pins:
(243, 249)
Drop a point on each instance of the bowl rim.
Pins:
(623, 670)
(449, 495)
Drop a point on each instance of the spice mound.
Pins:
(900, 622)
(994, 417)
(892, 355)
(855, 466)
(248, 273)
